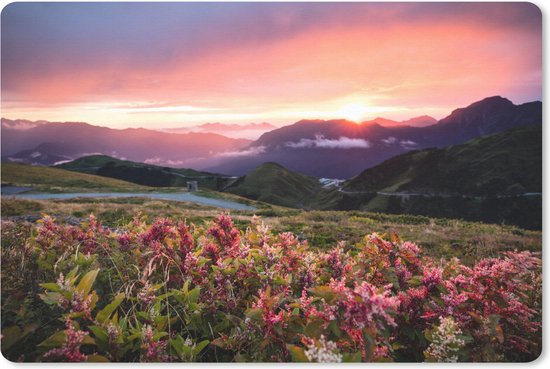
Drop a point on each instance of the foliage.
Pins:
(172, 291)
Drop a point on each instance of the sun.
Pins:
(354, 112)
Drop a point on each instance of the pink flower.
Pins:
(70, 350)
(432, 277)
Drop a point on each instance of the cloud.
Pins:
(251, 151)
(157, 160)
(62, 162)
(326, 143)
(407, 144)
(18, 125)
(390, 140)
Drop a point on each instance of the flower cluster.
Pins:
(323, 351)
(445, 344)
(70, 350)
(174, 291)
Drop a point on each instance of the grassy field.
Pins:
(48, 179)
(323, 229)
(33, 258)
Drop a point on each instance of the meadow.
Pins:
(149, 280)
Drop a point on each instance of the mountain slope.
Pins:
(272, 183)
(145, 174)
(505, 163)
(496, 179)
(23, 141)
(54, 178)
(342, 149)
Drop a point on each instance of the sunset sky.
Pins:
(180, 64)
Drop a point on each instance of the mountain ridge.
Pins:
(342, 149)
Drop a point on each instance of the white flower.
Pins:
(323, 351)
(445, 343)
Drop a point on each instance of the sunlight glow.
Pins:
(354, 112)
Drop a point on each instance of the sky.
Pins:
(181, 64)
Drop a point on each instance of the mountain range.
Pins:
(320, 148)
(342, 149)
(48, 143)
(495, 178)
(249, 131)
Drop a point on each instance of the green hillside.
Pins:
(52, 179)
(496, 179)
(145, 174)
(274, 184)
(505, 163)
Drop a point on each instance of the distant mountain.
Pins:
(69, 140)
(495, 178)
(248, 131)
(272, 183)
(20, 124)
(145, 174)
(421, 121)
(505, 163)
(44, 154)
(342, 149)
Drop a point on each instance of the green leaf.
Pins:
(95, 358)
(100, 333)
(194, 295)
(324, 292)
(104, 315)
(51, 286)
(55, 340)
(335, 329)
(297, 354)
(200, 346)
(50, 298)
(12, 335)
(85, 284)
(177, 345)
(255, 314)
(314, 328)
(351, 357)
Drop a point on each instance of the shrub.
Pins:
(172, 291)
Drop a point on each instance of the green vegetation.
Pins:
(169, 290)
(272, 183)
(439, 237)
(496, 179)
(506, 163)
(145, 174)
(59, 180)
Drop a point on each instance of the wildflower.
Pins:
(124, 241)
(113, 332)
(187, 242)
(227, 236)
(154, 350)
(147, 294)
(63, 284)
(432, 277)
(70, 350)
(445, 344)
(161, 229)
(80, 304)
(323, 351)
(366, 307)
